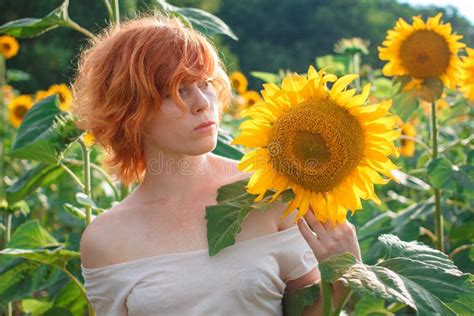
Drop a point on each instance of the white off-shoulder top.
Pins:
(247, 278)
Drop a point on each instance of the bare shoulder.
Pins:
(99, 241)
(278, 207)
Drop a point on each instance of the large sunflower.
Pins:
(17, 109)
(422, 50)
(323, 144)
(467, 75)
(8, 46)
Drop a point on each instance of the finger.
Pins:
(310, 236)
(316, 226)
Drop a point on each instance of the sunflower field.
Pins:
(377, 129)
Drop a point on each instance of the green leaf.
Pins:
(56, 257)
(368, 306)
(411, 273)
(411, 181)
(41, 175)
(14, 75)
(201, 20)
(71, 299)
(45, 133)
(266, 77)
(74, 211)
(295, 301)
(337, 64)
(405, 105)
(225, 149)
(382, 88)
(18, 277)
(32, 27)
(444, 175)
(225, 218)
(34, 306)
(335, 266)
(30, 235)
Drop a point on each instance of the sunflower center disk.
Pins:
(316, 144)
(20, 111)
(425, 54)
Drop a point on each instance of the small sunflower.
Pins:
(17, 109)
(422, 51)
(407, 148)
(466, 80)
(64, 94)
(88, 139)
(326, 145)
(442, 106)
(8, 46)
(239, 82)
(41, 94)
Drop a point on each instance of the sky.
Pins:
(465, 7)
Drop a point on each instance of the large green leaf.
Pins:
(411, 273)
(19, 277)
(201, 20)
(31, 235)
(294, 302)
(45, 133)
(442, 174)
(405, 224)
(41, 175)
(31, 27)
(225, 218)
(70, 298)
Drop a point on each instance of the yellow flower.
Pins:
(17, 109)
(466, 80)
(239, 81)
(88, 139)
(8, 46)
(326, 145)
(408, 146)
(65, 95)
(422, 50)
(41, 94)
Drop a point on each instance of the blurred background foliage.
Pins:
(271, 37)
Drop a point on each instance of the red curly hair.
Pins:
(124, 74)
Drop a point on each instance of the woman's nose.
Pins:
(200, 102)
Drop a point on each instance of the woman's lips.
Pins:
(205, 127)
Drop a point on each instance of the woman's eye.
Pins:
(181, 90)
(206, 83)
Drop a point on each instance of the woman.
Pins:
(152, 93)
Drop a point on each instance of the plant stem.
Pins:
(117, 12)
(87, 178)
(437, 193)
(73, 25)
(109, 10)
(104, 173)
(346, 297)
(356, 69)
(71, 173)
(417, 140)
(81, 288)
(459, 249)
(3, 124)
(326, 292)
(3, 70)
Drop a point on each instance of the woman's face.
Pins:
(175, 132)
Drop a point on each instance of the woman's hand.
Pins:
(329, 240)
